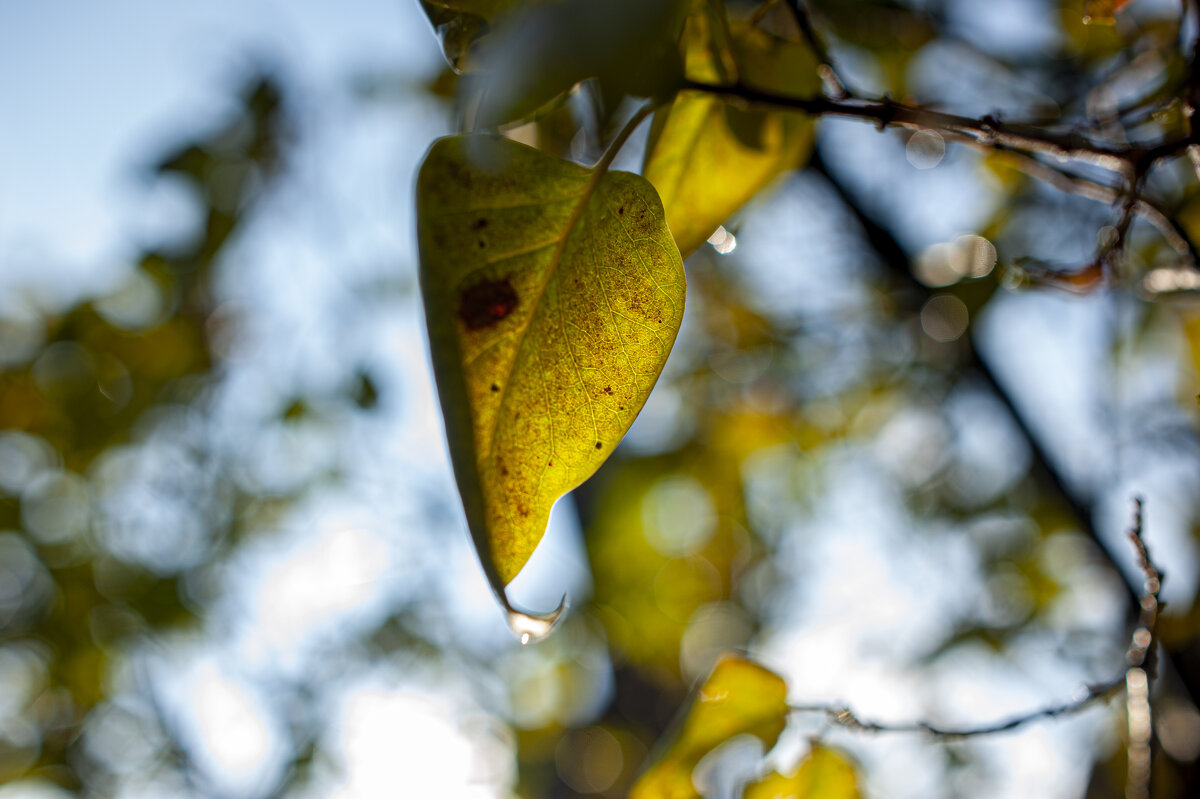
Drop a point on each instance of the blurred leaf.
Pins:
(296, 409)
(891, 32)
(1093, 43)
(738, 698)
(707, 159)
(458, 27)
(553, 295)
(825, 774)
(1102, 12)
(670, 538)
(539, 52)
(877, 25)
(365, 392)
(1191, 329)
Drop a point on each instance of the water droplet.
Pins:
(925, 149)
(533, 627)
(722, 240)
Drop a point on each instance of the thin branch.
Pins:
(1141, 666)
(985, 131)
(844, 717)
(622, 136)
(1089, 189)
(828, 72)
(1135, 680)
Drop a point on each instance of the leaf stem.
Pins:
(622, 136)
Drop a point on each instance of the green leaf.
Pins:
(738, 698)
(539, 52)
(553, 294)
(707, 159)
(825, 774)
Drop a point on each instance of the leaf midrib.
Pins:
(551, 269)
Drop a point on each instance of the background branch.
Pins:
(987, 131)
(1134, 678)
(899, 265)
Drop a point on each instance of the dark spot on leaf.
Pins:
(549, 463)
(481, 244)
(621, 408)
(608, 390)
(479, 224)
(621, 210)
(485, 304)
(597, 445)
(495, 387)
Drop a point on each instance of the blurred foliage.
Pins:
(691, 530)
(824, 774)
(738, 698)
(100, 375)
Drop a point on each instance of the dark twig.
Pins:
(1141, 666)
(828, 72)
(1081, 187)
(1026, 138)
(844, 717)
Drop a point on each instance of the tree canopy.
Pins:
(860, 335)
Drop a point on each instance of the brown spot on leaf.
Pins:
(495, 387)
(485, 304)
(479, 224)
(608, 390)
(598, 445)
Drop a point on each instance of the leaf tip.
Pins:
(532, 627)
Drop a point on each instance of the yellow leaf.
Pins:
(553, 294)
(738, 698)
(1191, 329)
(825, 774)
(706, 158)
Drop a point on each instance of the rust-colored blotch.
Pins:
(485, 304)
